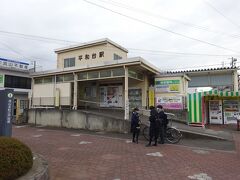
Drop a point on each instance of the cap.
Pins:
(159, 106)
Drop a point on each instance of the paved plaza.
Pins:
(80, 155)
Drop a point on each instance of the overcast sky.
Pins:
(158, 25)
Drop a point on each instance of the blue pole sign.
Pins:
(6, 112)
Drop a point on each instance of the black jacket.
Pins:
(135, 121)
(162, 117)
(152, 117)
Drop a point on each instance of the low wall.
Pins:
(77, 119)
(180, 115)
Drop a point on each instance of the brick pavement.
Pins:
(113, 158)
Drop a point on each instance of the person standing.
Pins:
(153, 130)
(135, 125)
(162, 121)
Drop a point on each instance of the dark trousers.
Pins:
(136, 132)
(162, 133)
(154, 132)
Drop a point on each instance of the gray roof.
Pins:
(200, 70)
(90, 43)
(99, 65)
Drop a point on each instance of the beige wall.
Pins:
(44, 94)
(108, 49)
(65, 89)
(43, 90)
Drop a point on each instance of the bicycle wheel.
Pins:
(146, 133)
(173, 135)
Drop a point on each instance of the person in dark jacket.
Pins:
(162, 121)
(135, 125)
(154, 129)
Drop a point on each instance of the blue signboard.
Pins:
(9, 63)
(6, 112)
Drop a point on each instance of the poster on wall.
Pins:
(173, 102)
(167, 85)
(135, 97)
(111, 96)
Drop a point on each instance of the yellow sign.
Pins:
(151, 97)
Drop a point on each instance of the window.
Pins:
(48, 79)
(38, 80)
(69, 62)
(116, 57)
(59, 78)
(65, 78)
(132, 74)
(93, 75)
(82, 76)
(101, 54)
(17, 82)
(140, 76)
(118, 72)
(106, 73)
(23, 104)
(68, 77)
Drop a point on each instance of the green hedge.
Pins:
(15, 158)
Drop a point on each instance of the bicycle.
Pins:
(173, 135)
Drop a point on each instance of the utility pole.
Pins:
(34, 66)
(233, 62)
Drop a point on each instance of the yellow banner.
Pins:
(151, 97)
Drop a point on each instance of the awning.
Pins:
(196, 112)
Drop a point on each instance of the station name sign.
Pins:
(167, 85)
(8, 63)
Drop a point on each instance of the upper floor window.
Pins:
(69, 62)
(116, 57)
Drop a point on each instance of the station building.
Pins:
(99, 75)
(96, 74)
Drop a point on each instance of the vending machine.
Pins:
(215, 112)
(230, 109)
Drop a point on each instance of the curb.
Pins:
(196, 135)
(39, 170)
